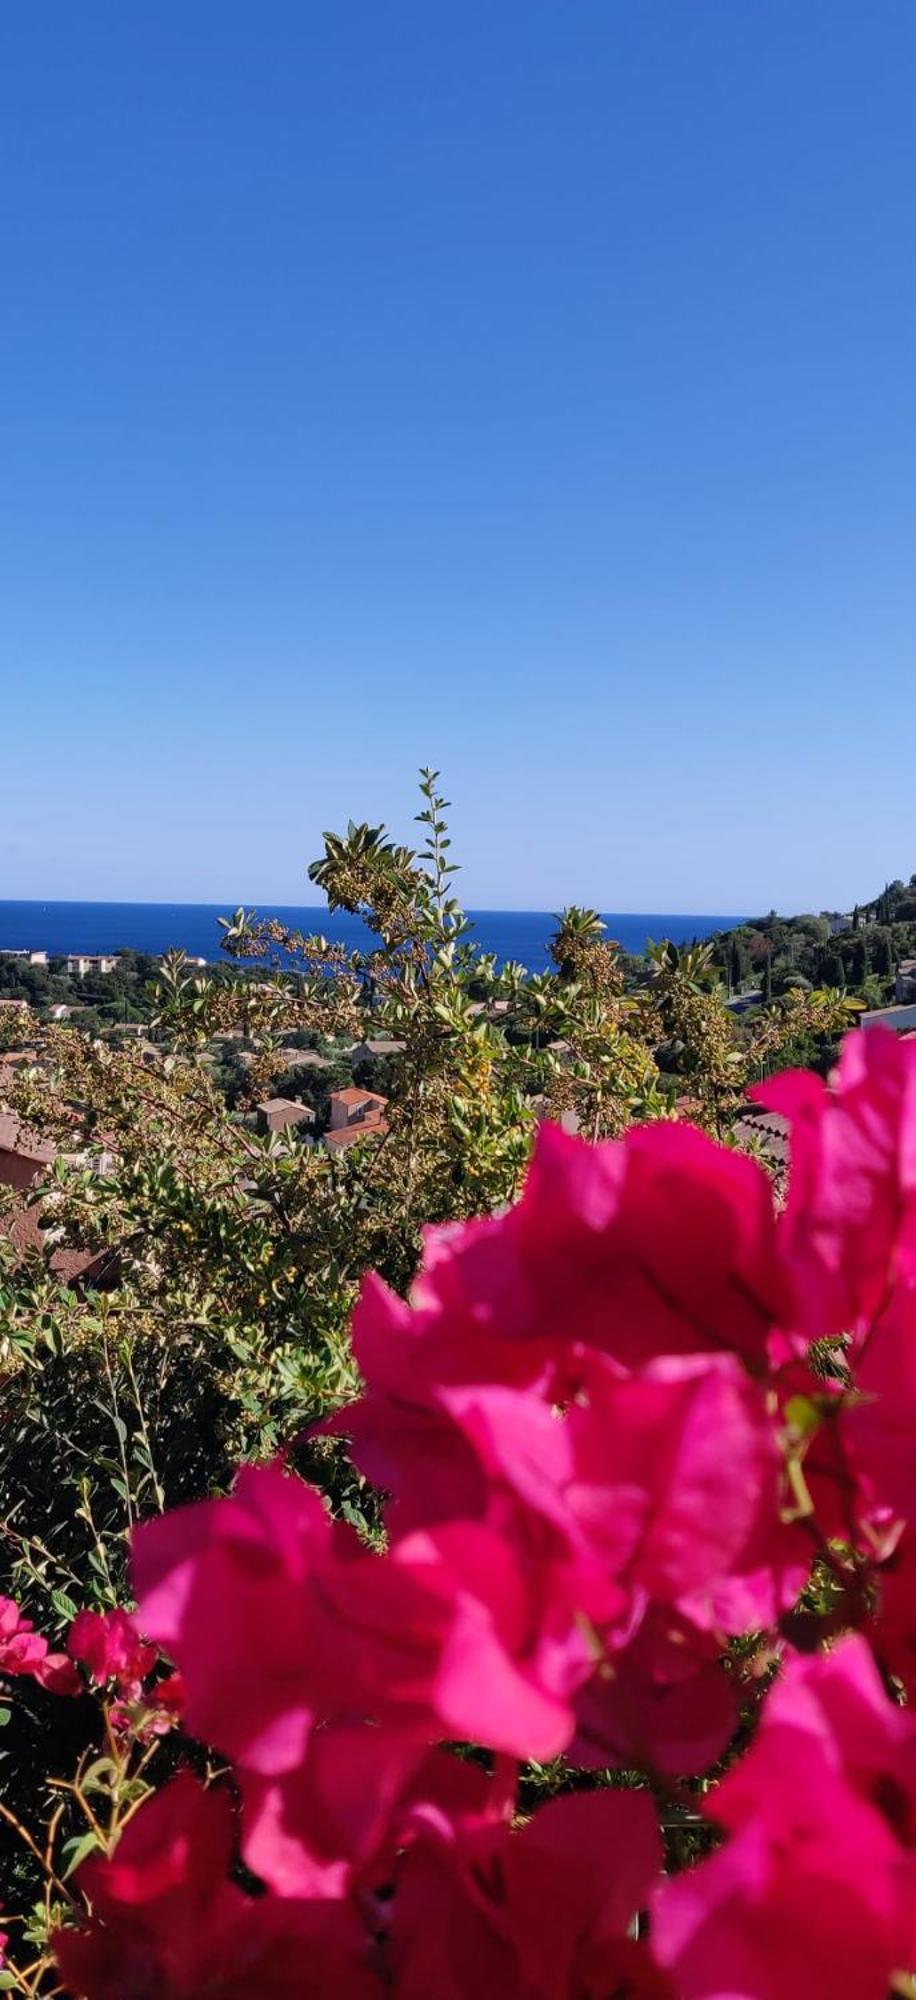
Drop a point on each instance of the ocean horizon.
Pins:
(522, 935)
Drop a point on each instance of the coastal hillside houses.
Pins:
(24, 955)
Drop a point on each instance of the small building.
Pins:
(905, 980)
(26, 956)
(355, 1114)
(765, 1132)
(276, 1113)
(355, 1107)
(79, 963)
(376, 1045)
(23, 1155)
(901, 1020)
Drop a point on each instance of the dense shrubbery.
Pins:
(606, 1456)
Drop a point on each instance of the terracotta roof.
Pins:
(769, 1129)
(290, 1106)
(353, 1096)
(348, 1135)
(21, 1225)
(16, 1138)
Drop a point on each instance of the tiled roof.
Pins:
(348, 1135)
(16, 1138)
(21, 1225)
(353, 1096)
(768, 1129)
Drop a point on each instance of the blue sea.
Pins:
(156, 927)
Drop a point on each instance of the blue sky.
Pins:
(522, 386)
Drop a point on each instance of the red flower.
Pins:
(813, 1893)
(167, 1921)
(108, 1646)
(540, 1914)
(24, 1651)
(848, 1234)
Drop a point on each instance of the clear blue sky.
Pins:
(522, 386)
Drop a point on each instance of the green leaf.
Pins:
(77, 1849)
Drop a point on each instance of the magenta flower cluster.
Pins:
(621, 1427)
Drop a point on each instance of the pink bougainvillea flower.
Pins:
(539, 1914)
(663, 1703)
(108, 1645)
(878, 1422)
(891, 1630)
(277, 1621)
(57, 1673)
(339, 1819)
(660, 1243)
(813, 1892)
(24, 1651)
(297, 1646)
(848, 1233)
(166, 1920)
(222, 1589)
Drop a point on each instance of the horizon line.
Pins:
(269, 903)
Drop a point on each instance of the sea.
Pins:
(520, 935)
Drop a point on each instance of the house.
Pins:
(767, 1133)
(902, 1020)
(27, 957)
(355, 1107)
(24, 1159)
(350, 1135)
(79, 963)
(80, 1270)
(22, 1154)
(276, 1113)
(303, 1059)
(376, 1046)
(355, 1114)
(905, 981)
